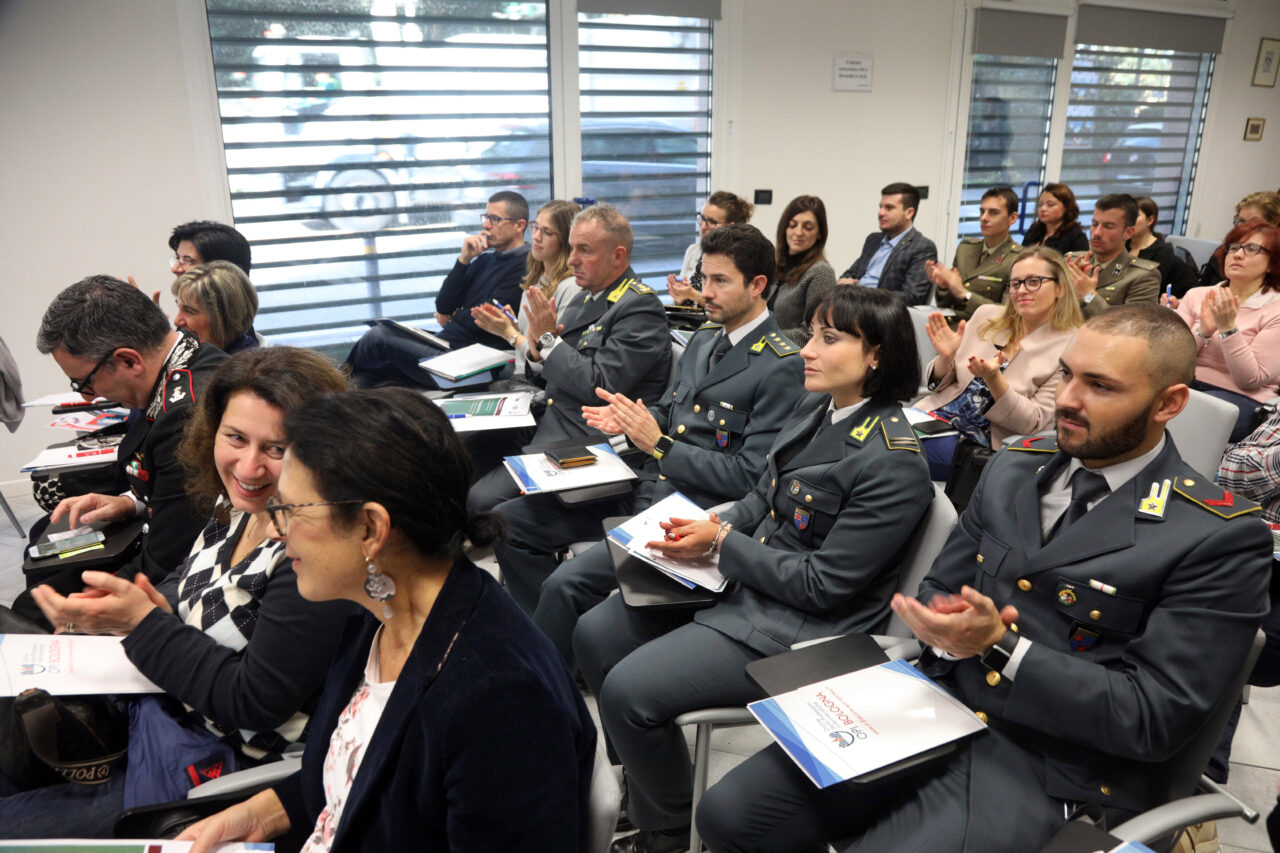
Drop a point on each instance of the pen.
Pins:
(457, 415)
(1168, 292)
(503, 309)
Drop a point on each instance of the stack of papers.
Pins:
(535, 473)
(90, 419)
(849, 726)
(60, 398)
(86, 452)
(489, 411)
(701, 571)
(467, 361)
(68, 665)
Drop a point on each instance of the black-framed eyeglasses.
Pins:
(1030, 284)
(494, 219)
(1249, 249)
(707, 219)
(85, 386)
(280, 513)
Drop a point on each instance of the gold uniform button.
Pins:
(550, 402)
(1188, 482)
(722, 422)
(1024, 585)
(1106, 790)
(1095, 615)
(772, 514)
(981, 715)
(993, 678)
(773, 483)
(662, 476)
(981, 558)
(764, 539)
(808, 499)
(680, 429)
(696, 408)
(1013, 626)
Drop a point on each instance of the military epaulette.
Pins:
(710, 325)
(1144, 264)
(898, 434)
(1036, 444)
(776, 342)
(970, 239)
(1206, 494)
(629, 284)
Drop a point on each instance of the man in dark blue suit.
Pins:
(893, 258)
(1092, 606)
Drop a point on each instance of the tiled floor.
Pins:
(1255, 758)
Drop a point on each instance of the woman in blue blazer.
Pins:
(449, 722)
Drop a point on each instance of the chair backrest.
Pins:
(1200, 250)
(677, 352)
(924, 346)
(1202, 429)
(604, 804)
(932, 533)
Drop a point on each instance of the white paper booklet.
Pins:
(703, 571)
(60, 398)
(63, 457)
(489, 411)
(848, 726)
(534, 472)
(467, 361)
(68, 665)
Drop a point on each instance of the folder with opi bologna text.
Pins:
(535, 473)
(633, 534)
(849, 727)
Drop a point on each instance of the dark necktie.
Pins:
(723, 345)
(1086, 487)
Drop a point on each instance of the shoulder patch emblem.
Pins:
(898, 434)
(1154, 503)
(628, 284)
(860, 432)
(776, 342)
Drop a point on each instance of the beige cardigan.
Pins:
(1033, 376)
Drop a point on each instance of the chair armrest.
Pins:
(1164, 820)
(715, 716)
(262, 775)
(897, 648)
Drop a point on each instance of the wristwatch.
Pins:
(663, 446)
(1088, 297)
(545, 340)
(996, 657)
(1222, 336)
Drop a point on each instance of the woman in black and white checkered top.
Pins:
(226, 635)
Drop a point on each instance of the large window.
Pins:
(363, 138)
(1134, 124)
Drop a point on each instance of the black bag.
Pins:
(46, 740)
(966, 467)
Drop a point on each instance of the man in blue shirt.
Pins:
(894, 257)
(387, 355)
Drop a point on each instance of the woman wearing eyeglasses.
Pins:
(995, 375)
(1237, 323)
(722, 208)
(239, 653)
(547, 275)
(448, 722)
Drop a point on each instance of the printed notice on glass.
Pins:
(68, 665)
(851, 725)
(851, 72)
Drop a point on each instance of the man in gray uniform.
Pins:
(980, 272)
(1093, 604)
(613, 336)
(1108, 275)
(735, 387)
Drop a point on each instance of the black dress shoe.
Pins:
(647, 841)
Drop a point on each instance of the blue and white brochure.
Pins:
(534, 472)
(703, 570)
(849, 726)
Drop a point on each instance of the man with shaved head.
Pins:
(1096, 600)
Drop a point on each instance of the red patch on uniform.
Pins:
(1228, 499)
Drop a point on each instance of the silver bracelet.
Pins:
(725, 527)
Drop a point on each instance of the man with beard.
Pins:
(1092, 605)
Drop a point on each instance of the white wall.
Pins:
(1231, 168)
(108, 131)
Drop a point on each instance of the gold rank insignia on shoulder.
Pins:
(777, 343)
(1154, 503)
(898, 434)
(628, 284)
(1206, 494)
(710, 325)
(860, 432)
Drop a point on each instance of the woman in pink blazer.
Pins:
(995, 375)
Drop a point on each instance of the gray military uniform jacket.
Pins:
(1115, 679)
(724, 419)
(617, 341)
(817, 546)
(1126, 279)
(986, 278)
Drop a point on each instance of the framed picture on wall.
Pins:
(1253, 129)
(1264, 71)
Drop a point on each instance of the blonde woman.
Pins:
(548, 270)
(996, 375)
(217, 303)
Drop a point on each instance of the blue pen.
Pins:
(1168, 292)
(502, 308)
(458, 415)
